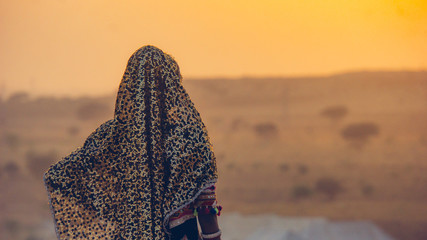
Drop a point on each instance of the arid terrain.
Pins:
(346, 147)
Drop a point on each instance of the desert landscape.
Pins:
(350, 146)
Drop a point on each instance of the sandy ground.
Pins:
(276, 141)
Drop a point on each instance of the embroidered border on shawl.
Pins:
(166, 220)
(180, 220)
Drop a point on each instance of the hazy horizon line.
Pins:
(4, 94)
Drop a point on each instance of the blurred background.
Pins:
(317, 110)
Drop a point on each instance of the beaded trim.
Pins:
(208, 210)
(203, 197)
(166, 220)
(212, 235)
(180, 220)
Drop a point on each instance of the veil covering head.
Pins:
(137, 169)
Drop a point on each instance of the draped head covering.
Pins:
(139, 168)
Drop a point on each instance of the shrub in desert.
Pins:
(18, 97)
(73, 130)
(266, 130)
(257, 165)
(329, 187)
(39, 162)
(334, 113)
(358, 134)
(284, 167)
(237, 124)
(11, 169)
(12, 227)
(93, 111)
(301, 192)
(12, 140)
(367, 190)
(302, 169)
(231, 166)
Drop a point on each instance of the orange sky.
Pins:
(75, 47)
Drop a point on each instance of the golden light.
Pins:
(81, 47)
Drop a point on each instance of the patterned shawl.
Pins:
(136, 170)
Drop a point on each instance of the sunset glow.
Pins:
(77, 47)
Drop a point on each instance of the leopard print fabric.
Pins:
(136, 170)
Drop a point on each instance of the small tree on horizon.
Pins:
(301, 192)
(266, 130)
(329, 186)
(335, 113)
(359, 133)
